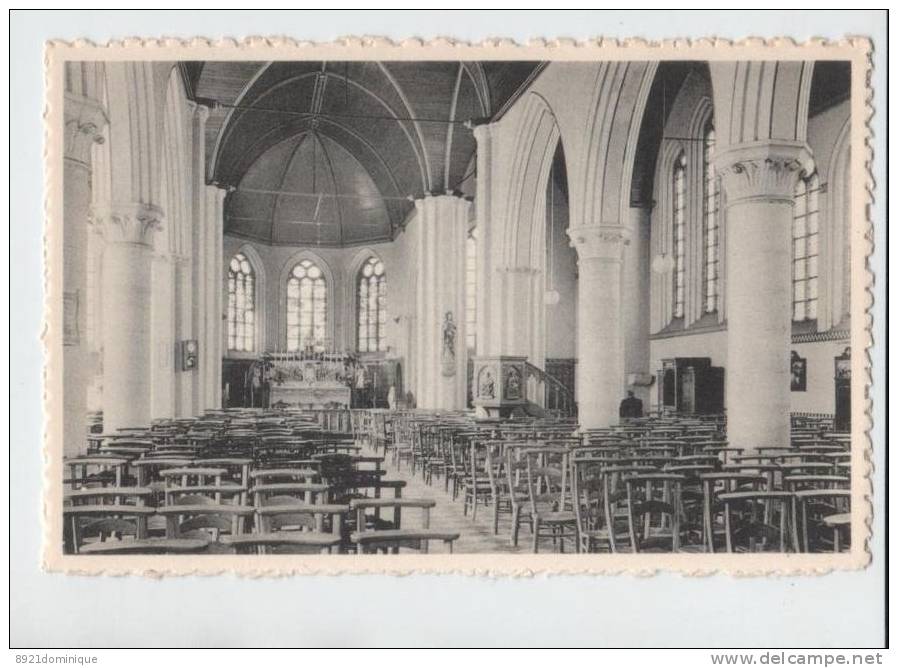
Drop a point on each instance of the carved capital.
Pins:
(84, 123)
(437, 207)
(201, 111)
(482, 133)
(132, 223)
(599, 242)
(763, 171)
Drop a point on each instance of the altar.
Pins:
(308, 380)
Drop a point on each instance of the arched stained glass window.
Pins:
(241, 304)
(306, 308)
(679, 235)
(710, 222)
(372, 283)
(805, 249)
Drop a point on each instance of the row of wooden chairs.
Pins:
(662, 483)
(169, 489)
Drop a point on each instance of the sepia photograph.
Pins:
(456, 306)
(438, 334)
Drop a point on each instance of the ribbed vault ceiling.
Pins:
(329, 153)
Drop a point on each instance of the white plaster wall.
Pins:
(820, 396)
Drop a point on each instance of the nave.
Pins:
(482, 306)
(379, 481)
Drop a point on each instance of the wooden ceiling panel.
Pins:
(389, 130)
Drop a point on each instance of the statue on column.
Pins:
(448, 354)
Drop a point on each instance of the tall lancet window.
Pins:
(471, 291)
(306, 308)
(372, 283)
(710, 222)
(241, 305)
(805, 251)
(679, 235)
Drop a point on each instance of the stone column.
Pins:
(600, 355)
(483, 203)
(163, 330)
(186, 401)
(635, 299)
(759, 180)
(442, 222)
(200, 246)
(211, 347)
(84, 120)
(520, 292)
(127, 230)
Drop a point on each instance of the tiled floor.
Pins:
(476, 536)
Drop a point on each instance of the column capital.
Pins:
(200, 110)
(482, 132)
(217, 191)
(440, 199)
(128, 222)
(762, 171)
(84, 122)
(599, 242)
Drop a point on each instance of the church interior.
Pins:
(426, 307)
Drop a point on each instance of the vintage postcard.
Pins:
(385, 307)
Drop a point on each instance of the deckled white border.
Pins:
(856, 49)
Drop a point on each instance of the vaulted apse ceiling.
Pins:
(330, 153)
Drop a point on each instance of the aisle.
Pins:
(476, 537)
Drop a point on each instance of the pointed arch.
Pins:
(244, 314)
(136, 100)
(175, 162)
(285, 293)
(369, 283)
(662, 233)
(838, 226)
(758, 100)
(526, 203)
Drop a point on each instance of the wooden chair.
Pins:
(551, 506)
(282, 542)
(312, 528)
(714, 484)
(592, 491)
(508, 492)
(206, 481)
(517, 490)
(840, 523)
(200, 517)
(147, 546)
(762, 519)
(103, 521)
(93, 471)
(130, 448)
(810, 510)
(403, 446)
(658, 497)
(392, 540)
(309, 493)
(476, 485)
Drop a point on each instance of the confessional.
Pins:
(690, 385)
(843, 391)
